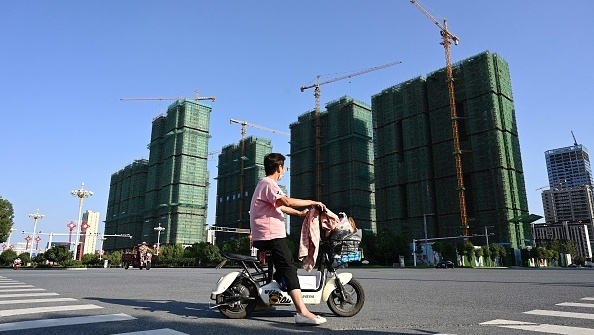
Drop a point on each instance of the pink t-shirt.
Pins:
(266, 219)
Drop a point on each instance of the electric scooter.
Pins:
(237, 293)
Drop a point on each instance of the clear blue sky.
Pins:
(66, 64)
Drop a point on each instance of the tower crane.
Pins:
(317, 93)
(447, 38)
(242, 158)
(196, 98)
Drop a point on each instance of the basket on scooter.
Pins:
(346, 246)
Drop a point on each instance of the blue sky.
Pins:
(66, 64)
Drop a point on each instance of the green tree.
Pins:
(469, 251)
(7, 257)
(171, 254)
(90, 259)
(25, 257)
(113, 258)
(570, 248)
(39, 259)
(58, 254)
(385, 246)
(6, 219)
(205, 253)
(486, 252)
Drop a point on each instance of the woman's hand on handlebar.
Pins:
(320, 206)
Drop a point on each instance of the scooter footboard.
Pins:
(223, 284)
(330, 286)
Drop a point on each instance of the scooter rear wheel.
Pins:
(353, 301)
(239, 300)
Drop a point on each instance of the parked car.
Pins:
(444, 265)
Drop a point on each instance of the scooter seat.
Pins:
(241, 258)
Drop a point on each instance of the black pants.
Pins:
(283, 262)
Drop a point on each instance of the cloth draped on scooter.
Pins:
(310, 235)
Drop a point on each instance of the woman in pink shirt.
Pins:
(267, 223)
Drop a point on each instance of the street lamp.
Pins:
(425, 228)
(81, 195)
(101, 250)
(37, 239)
(83, 242)
(35, 217)
(159, 229)
(71, 225)
(28, 238)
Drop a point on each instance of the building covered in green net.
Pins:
(175, 181)
(416, 179)
(346, 160)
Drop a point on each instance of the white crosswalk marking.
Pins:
(30, 301)
(164, 331)
(30, 295)
(44, 323)
(18, 295)
(576, 304)
(35, 310)
(550, 328)
(22, 289)
(561, 314)
(542, 328)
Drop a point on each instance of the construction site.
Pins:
(173, 183)
(416, 173)
(430, 157)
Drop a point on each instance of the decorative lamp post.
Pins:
(83, 241)
(81, 195)
(37, 239)
(70, 226)
(28, 238)
(158, 229)
(101, 251)
(35, 217)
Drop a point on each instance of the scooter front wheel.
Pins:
(353, 300)
(238, 301)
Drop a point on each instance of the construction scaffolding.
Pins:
(346, 152)
(229, 188)
(414, 142)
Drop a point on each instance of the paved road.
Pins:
(398, 301)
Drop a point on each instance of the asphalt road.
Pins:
(398, 301)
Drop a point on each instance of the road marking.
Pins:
(15, 286)
(63, 322)
(164, 331)
(21, 289)
(543, 328)
(575, 304)
(588, 298)
(25, 301)
(22, 311)
(561, 314)
(18, 295)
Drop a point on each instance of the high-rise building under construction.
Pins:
(174, 181)
(236, 187)
(346, 158)
(416, 181)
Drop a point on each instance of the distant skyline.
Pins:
(67, 64)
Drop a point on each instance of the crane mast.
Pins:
(242, 161)
(317, 94)
(447, 38)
